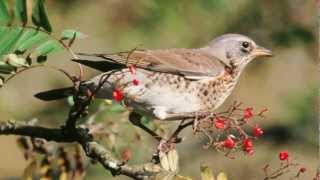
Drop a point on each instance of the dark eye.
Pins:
(245, 44)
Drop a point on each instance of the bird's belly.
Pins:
(163, 96)
(162, 102)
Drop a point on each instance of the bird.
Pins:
(169, 84)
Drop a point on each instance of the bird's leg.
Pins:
(135, 119)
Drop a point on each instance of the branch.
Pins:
(91, 148)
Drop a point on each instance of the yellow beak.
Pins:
(261, 51)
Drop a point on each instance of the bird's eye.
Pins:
(245, 44)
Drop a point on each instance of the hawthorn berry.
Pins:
(257, 131)
(117, 94)
(229, 143)
(283, 155)
(219, 123)
(126, 155)
(248, 146)
(136, 82)
(248, 113)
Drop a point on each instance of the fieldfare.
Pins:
(169, 84)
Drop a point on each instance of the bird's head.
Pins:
(236, 50)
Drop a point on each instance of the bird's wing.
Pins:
(190, 63)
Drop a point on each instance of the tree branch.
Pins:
(91, 148)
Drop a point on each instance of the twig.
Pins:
(91, 148)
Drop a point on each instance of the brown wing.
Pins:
(190, 63)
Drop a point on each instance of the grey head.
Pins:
(235, 50)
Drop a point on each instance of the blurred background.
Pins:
(286, 84)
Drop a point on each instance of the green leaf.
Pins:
(21, 11)
(4, 13)
(6, 68)
(27, 34)
(49, 47)
(3, 31)
(39, 15)
(32, 40)
(206, 173)
(69, 34)
(8, 41)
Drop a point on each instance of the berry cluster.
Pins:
(232, 126)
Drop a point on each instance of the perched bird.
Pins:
(168, 84)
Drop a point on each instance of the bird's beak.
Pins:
(261, 51)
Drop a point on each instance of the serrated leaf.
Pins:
(21, 10)
(6, 68)
(39, 15)
(164, 162)
(69, 34)
(8, 41)
(49, 47)
(32, 40)
(222, 176)
(206, 173)
(4, 13)
(27, 34)
(173, 159)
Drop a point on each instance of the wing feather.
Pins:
(187, 62)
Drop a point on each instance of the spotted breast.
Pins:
(167, 96)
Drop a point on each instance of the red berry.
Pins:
(132, 69)
(117, 94)
(248, 146)
(219, 123)
(248, 113)
(257, 132)
(229, 143)
(136, 82)
(126, 155)
(283, 155)
(247, 142)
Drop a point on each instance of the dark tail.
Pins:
(98, 62)
(103, 66)
(55, 94)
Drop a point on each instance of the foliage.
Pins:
(24, 47)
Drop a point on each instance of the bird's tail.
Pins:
(101, 62)
(55, 94)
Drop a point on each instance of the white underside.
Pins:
(162, 102)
